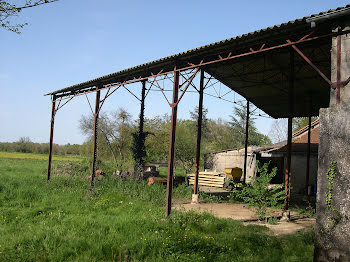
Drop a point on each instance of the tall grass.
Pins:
(64, 221)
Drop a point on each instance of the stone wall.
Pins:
(234, 158)
(333, 220)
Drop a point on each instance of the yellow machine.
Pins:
(234, 173)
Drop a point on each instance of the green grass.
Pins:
(64, 221)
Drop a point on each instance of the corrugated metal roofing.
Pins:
(149, 65)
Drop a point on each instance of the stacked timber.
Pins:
(211, 179)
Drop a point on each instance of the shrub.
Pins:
(258, 194)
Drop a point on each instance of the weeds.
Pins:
(259, 195)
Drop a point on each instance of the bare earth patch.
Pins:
(242, 213)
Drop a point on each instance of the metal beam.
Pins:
(94, 153)
(246, 144)
(53, 113)
(199, 135)
(171, 160)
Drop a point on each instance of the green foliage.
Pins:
(25, 145)
(259, 195)
(114, 137)
(272, 221)
(330, 177)
(185, 149)
(299, 123)
(238, 126)
(9, 10)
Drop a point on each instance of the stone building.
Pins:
(276, 155)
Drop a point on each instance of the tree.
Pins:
(24, 145)
(278, 130)
(8, 11)
(157, 141)
(238, 125)
(185, 149)
(299, 123)
(194, 117)
(115, 139)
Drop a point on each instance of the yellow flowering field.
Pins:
(37, 156)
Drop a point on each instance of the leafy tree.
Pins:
(24, 145)
(301, 122)
(9, 10)
(185, 149)
(115, 139)
(157, 140)
(205, 121)
(238, 124)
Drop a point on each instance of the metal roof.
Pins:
(275, 34)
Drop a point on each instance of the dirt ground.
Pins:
(242, 213)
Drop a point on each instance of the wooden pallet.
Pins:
(211, 179)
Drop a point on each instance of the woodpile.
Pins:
(211, 179)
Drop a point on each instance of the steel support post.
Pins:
(141, 136)
(338, 69)
(199, 136)
(170, 180)
(246, 144)
(53, 113)
(308, 154)
(289, 139)
(142, 110)
(94, 154)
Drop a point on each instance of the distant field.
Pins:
(37, 156)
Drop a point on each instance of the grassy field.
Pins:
(64, 221)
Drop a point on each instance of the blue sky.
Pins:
(76, 40)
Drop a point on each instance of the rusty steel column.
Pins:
(53, 113)
(308, 153)
(169, 188)
(246, 144)
(142, 110)
(289, 139)
(199, 136)
(94, 154)
(141, 136)
(338, 69)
